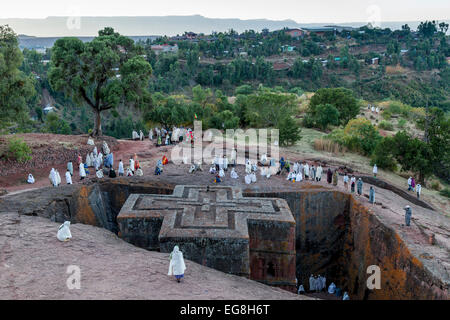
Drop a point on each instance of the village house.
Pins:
(157, 48)
(295, 33)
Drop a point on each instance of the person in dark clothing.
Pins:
(329, 176)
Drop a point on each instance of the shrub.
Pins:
(445, 192)
(382, 155)
(435, 185)
(361, 136)
(18, 150)
(328, 145)
(396, 107)
(401, 123)
(386, 125)
(386, 115)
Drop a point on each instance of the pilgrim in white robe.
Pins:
(134, 135)
(139, 172)
(30, 179)
(58, 178)
(311, 283)
(263, 159)
(68, 177)
(306, 169)
(298, 177)
(332, 288)
(70, 167)
(248, 179)
(264, 171)
(233, 174)
(99, 174)
(177, 267)
(88, 161)
(221, 173)
(141, 135)
(120, 170)
(253, 176)
(82, 172)
(52, 177)
(129, 172)
(248, 167)
(64, 232)
(105, 148)
(290, 176)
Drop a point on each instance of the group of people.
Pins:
(413, 187)
(166, 137)
(301, 171)
(318, 284)
(102, 162)
(373, 109)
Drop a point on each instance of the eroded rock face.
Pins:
(336, 235)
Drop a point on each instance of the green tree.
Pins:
(267, 109)
(53, 124)
(324, 116)
(413, 154)
(361, 136)
(16, 89)
(289, 131)
(341, 98)
(427, 28)
(102, 73)
(383, 154)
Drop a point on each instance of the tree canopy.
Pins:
(15, 88)
(103, 73)
(342, 99)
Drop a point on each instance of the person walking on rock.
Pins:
(372, 195)
(359, 186)
(176, 266)
(408, 214)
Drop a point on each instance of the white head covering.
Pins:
(68, 177)
(332, 288)
(64, 232)
(82, 172)
(30, 178)
(53, 178)
(58, 177)
(176, 266)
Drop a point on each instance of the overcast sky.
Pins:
(302, 11)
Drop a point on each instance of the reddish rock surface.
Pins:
(33, 265)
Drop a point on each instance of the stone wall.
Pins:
(338, 237)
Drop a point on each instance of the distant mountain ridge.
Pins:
(160, 25)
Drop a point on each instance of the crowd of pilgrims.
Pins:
(102, 162)
(319, 284)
